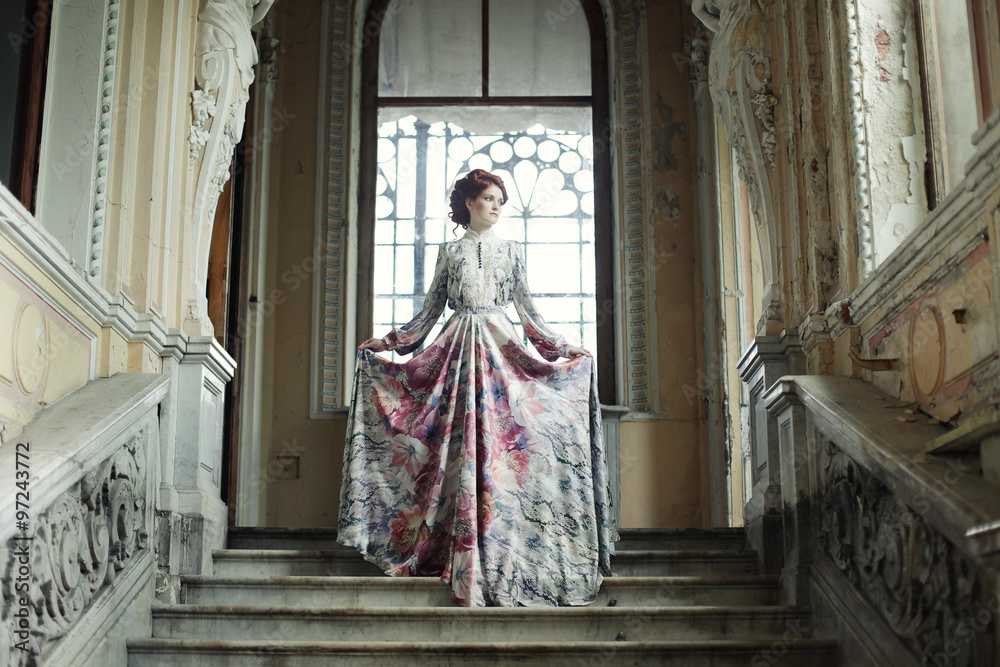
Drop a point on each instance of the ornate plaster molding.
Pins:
(741, 85)
(333, 229)
(924, 587)
(104, 134)
(225, 58)
(81, 542)
(859, 132)
(638, 355)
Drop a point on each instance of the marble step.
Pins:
(725, 653)
(325, 539)
(432, 592)
(489, 624)
(681, 539)
(342, 563)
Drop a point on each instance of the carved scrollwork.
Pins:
(224, 69)
(928, 591)
(81, 542)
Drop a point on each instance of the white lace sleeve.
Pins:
(408, 337)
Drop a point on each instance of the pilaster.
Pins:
(191, 516)
(785, 407)
(767, 359)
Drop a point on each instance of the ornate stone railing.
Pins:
(894, 549)
(76, 524)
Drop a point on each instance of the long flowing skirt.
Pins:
(478, 462)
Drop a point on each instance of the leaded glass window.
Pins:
(549, 181)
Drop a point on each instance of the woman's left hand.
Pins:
(574, 351)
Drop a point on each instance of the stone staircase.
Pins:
(295, 597)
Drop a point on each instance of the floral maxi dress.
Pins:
(476, 461)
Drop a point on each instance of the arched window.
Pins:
(518, 88)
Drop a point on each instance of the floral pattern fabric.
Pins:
(475, 460)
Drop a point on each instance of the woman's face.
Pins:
(484, 210)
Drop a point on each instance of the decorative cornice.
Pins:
(29, 238)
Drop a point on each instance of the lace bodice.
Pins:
(475, 275)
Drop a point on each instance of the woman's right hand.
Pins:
(373, 344)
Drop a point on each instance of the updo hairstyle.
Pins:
(471, 186)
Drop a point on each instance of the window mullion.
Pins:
(420, 215)
(485, 14)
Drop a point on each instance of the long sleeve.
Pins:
(408, 337)
(548, 343)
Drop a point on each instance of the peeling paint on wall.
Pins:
(667, 203)
(662, 135)
(893, 116)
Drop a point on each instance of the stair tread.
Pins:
(306, 646)
(344, 553)
(623, 532)
(163, 610)
(431, 581)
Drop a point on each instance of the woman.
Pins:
(476, 461)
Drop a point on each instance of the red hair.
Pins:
(471, 186)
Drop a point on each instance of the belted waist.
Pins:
(479, 310)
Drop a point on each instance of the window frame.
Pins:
(937, 178)
(598, 101)
(31, 95)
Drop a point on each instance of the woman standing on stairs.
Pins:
(475, 460)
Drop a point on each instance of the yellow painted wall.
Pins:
(312, 499)
(664, 476)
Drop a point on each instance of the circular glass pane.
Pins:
(548, 151)
(383, 207)
(460, 149)
(480, 161)
(570, 162)
(524, 147)
(386, 150)
(584, 180)
(501, 151)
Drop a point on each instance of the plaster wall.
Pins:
(303, 456)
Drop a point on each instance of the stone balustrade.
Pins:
(76, 536)
(894, 549)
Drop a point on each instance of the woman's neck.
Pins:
(481, 231)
